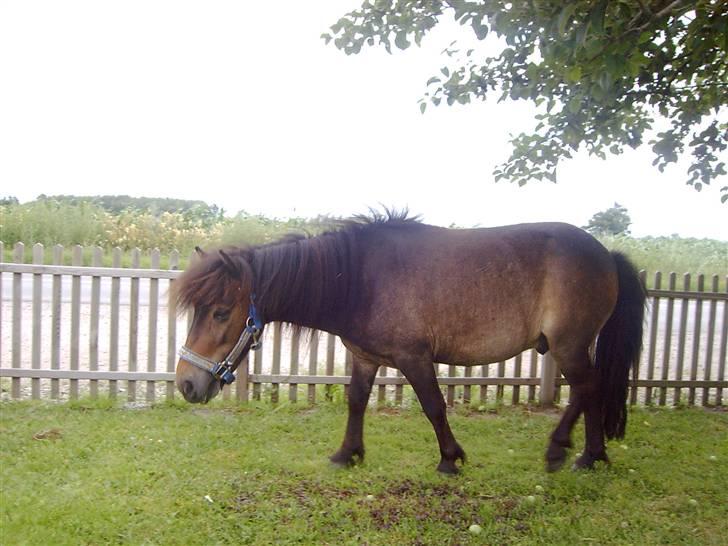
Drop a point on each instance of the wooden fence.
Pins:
(70, 331)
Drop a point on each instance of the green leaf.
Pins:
(605, 81)
(574, 104)
(401, 40)
(481, 30)
(423, 107)
(596, 17)
(565, 16)
(581, 34)
(445, 71)
(573, 74)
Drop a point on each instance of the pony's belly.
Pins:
(464, 351)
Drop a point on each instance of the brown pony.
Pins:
(406, 295)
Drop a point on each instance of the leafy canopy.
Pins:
(600, 72)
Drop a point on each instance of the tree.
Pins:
(194, 211)
(601, 72)
(9, 200)
(613, 221)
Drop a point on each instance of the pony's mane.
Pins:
(301, 277)
(208, 280)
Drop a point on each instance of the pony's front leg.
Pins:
(421, 375)
(362, 379)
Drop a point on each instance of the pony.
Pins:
(406, 295)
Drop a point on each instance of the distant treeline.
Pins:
(174, 224)
(145, 223)
(156, 206)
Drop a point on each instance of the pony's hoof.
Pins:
(586, 461)
(448, 464)
(347, 458)
(555, 457)
(448, 467)
(555, 465)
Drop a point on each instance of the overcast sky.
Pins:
(242, 104)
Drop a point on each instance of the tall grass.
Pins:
(673, 254)
(59, 222)
(51, 223)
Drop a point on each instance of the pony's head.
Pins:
(217, 287)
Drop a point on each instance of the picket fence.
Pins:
(112, 331)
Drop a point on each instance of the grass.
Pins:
(88, 224)
(674, 254)
(95, 473)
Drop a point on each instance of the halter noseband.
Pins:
(223, 370)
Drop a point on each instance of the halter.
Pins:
(223, 370)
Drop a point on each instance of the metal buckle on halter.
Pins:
(253, 328)
(223, 372)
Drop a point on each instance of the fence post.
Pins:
(93, 350)
(672, 283)
(172, 327)
(682, 338)
(654, 320)
(276, 366)
(153, 313)
(293, 368)
(56, 313)
(2, 257)
(114, 322)
(517, 368)
(313, 364)
(548, 380)
(241, 389)
(713, 306)
(722, 349)
(76, 260)
(330, 354)
(17, 344)
(698, 324)
(38, 257)
(133, 325)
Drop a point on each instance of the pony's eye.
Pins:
(221, 315)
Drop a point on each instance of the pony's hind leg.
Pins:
(421, 375)
(560, 439)
(586, 396)
(362, 379)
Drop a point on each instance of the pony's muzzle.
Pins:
(198, 392)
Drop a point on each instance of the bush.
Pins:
(51, 223)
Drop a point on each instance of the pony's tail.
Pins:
(619, 346)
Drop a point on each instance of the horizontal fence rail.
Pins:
(82, 330)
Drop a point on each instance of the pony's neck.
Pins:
(307, 282)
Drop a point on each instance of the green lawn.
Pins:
(94, 473)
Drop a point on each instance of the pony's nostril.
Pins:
(187, 388)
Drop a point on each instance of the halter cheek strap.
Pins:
(223, 370)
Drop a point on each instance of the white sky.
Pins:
(243, 105)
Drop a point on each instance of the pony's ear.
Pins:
(200, 252)
(232, 268)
